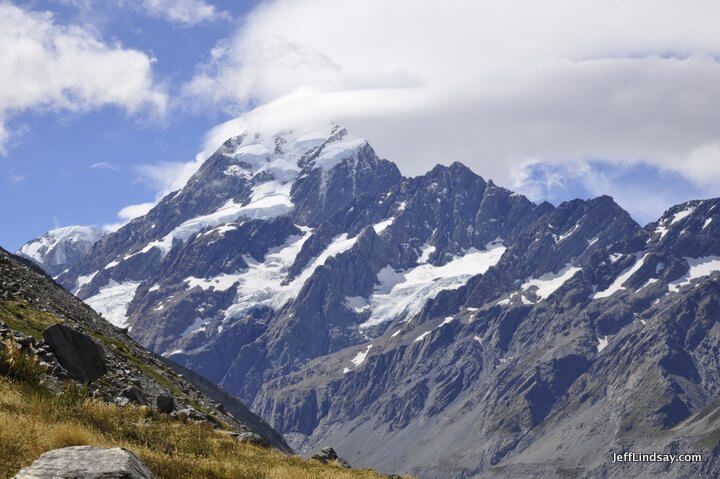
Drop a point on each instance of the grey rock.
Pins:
(134, 395)
(86, 462)
(80, 355)
(165, 403)
(328, 454)
(252, 438)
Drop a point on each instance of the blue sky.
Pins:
(47, 174)
(105, 104)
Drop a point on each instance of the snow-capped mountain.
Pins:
(465, 329)
(60, 248)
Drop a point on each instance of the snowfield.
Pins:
(402, 294)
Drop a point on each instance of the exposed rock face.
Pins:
(79, 354)
(86, 462)
(467, 330)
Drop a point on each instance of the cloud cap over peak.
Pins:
(491, 84)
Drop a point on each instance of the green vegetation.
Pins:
(24, 319)
(33, 420)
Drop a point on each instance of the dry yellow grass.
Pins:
(33, 421)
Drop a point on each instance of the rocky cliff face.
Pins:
(469, 331)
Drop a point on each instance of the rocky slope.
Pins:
(469, 331)
(74, 343)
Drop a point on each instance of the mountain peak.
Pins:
(61, 247)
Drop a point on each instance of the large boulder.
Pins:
(86, 462)
(80, 355)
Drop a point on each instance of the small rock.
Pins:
(328, 454)
(252, 438)
(86, 462)
(190, 413)
(135, 395)
(165, 403)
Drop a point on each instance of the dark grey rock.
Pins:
(134, 395)
(165, 403)
(86, 462)
(328, 454)
(80, 355)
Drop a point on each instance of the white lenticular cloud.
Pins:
(491, 84)
(48, 66)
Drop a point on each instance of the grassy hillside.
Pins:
(33, 420)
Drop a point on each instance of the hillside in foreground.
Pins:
(50, 399)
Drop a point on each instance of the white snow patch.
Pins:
(562, 237)
(382, 226)
(337, 151)
(421, 337)
(357, 303)
(648, 283)
(263, 283)
(112, 264)
(221, 230)
(361, 356)
(682, 215)
(548, 283)
(447, 320)
(403, 293)
(112, 301)
(602, 343)
(477, 338)
(614, 257)
(425, 253)
(617, 285)
(154, 287)
(504, 301)
(83, 280)
(395, 333)
(699, 267)
(707, 223)
(661, 230)
(222, 282)
(236, 170)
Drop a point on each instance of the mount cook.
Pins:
(440, 325)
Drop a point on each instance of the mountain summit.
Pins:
(468, 330)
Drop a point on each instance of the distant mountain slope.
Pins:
(61, 248)
(469, 331)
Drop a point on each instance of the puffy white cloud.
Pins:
(47, 66)
(491, 84)
(127, 214)
(187, 12)
(133, 211)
